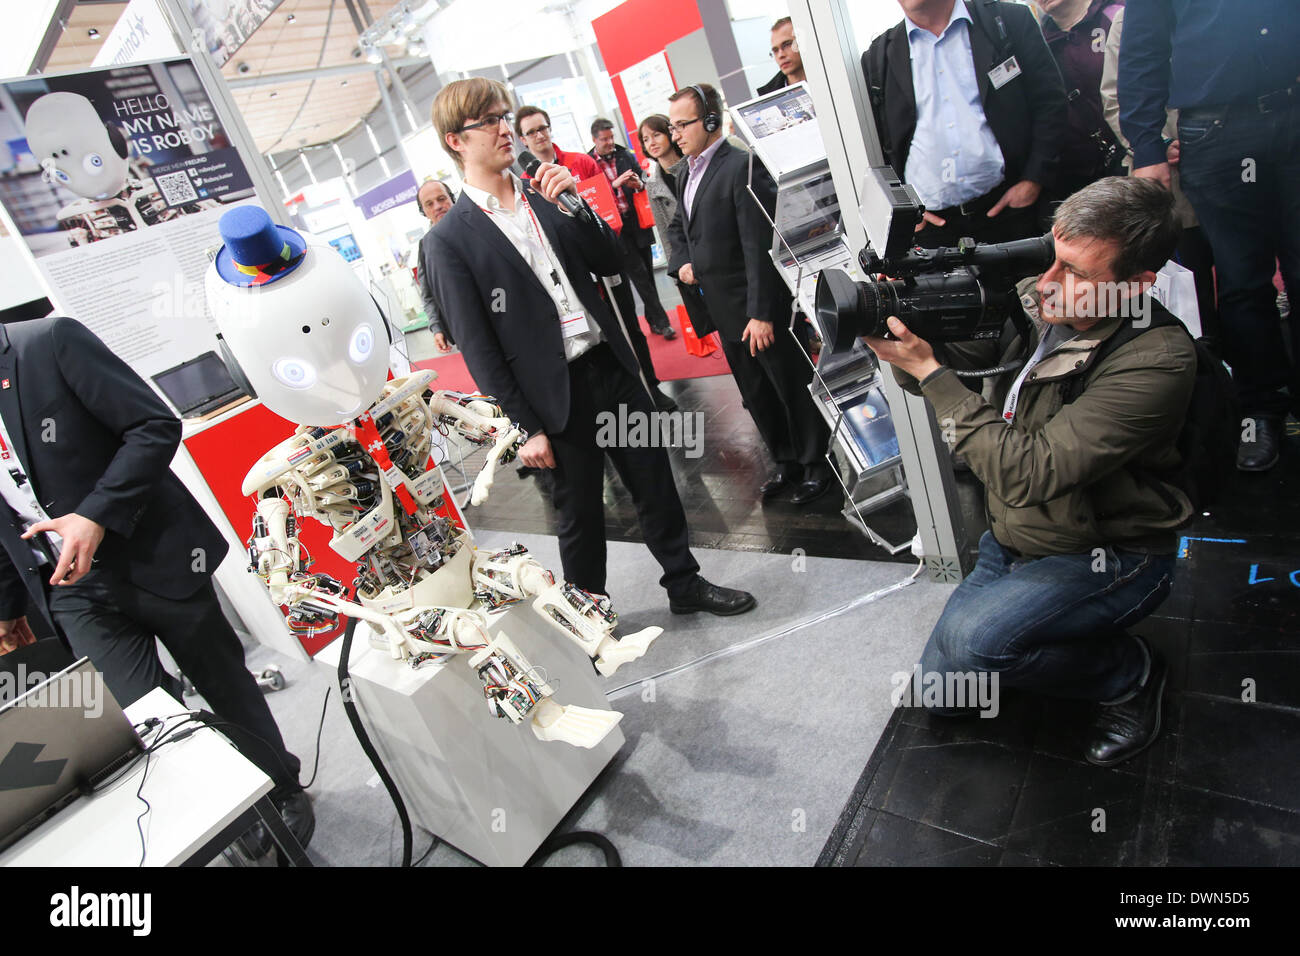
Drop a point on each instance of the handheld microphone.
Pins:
(569, 200)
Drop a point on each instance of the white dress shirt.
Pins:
(525, 233)
(954, 156)
(17, 491)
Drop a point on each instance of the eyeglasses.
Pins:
(537, 132)
(681, 127)
(491, 121)
(791, 44)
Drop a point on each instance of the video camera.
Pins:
(958, 294)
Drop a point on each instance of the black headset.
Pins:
(712, 121)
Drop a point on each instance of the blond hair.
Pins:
(463, 100)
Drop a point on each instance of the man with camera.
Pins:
(971, 112)
(1071, 449)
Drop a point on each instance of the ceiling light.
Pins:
(274, 94)
(290, 18)
(343, 83)
(93, 33)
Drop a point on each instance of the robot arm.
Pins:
(477, 420)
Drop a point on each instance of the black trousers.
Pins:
(599, 383)
(627, 312)
(774, 387)
(114, 622)
(639, 267)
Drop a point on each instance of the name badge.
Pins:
(1004, 73)
(575, 323)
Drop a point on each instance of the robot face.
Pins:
(65, 134)
(312, 344)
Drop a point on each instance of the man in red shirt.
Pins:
(533, 125)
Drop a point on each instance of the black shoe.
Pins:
(1123, 730)
(775, 484)
(700, 595)
(1262, 453)
(295, 809)
(668, 332)
(662, 401)
(811, 490)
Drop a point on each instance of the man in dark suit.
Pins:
(435, 199)
(785, 51)
(103, 540)
(624, 174)
(515, 275)
(986, 138)
(721, 241)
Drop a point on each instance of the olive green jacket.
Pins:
(1065, 479)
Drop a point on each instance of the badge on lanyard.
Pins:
(574, 323)
(1004, 73)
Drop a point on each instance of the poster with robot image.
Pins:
(114, 179)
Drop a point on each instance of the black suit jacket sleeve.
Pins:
(677, 241)
(454, 285)
(596, 243)
(425, 273)
(1045, 92)
(13, 591)
(756, 240)
(108, 388)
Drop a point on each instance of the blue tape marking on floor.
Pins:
(1185, 540)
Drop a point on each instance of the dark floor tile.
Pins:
(1011, 858)
(1015, 726)
(1075, 814)
(1065, 730)
(1271, 677)
(966, 787)
(1207, 829)
(1241, 750)
(895, 841)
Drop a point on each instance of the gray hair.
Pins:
(1136, 213)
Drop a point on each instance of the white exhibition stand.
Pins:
(480, 783)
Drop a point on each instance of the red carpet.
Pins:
(671, 361)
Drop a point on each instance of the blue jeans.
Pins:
(1054, 625)
(1241, 170)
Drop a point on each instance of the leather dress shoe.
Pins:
(700, 595)
(663, 401)
(295, 809)
(668, 332)
(1123, 730)
(775, 484)
(1262, 453)
(811, 490)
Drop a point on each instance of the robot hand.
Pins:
(479, 421)
(514, 690)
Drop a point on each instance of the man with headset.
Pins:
(720, 240)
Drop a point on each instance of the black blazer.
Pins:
(107, 457)
(774, 84)
(504, 319)
(625, 159)
(432, 310)
(728, 242)
(1027, 115)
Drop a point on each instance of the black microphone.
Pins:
(570, 200)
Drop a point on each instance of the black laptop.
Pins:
(199, 386)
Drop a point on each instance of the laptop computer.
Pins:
(198, 386)
(63, 737)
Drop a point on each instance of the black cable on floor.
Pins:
(354, 717)
(315, 764)
(560, 841)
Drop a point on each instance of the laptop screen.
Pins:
(197, 382)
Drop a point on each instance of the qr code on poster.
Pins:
(176, 188)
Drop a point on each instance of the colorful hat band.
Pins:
(267, 271)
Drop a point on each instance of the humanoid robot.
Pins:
(300, 332)
(91, 158)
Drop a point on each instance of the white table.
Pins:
(203, 795)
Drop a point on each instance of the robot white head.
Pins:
(89, 155)
(298, 328)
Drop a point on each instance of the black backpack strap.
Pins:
(875, 66)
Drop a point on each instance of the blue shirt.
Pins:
(1189, 53)
(954, 156)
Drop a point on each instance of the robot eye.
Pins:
(363, 342)
(295, 373)
(93, 162)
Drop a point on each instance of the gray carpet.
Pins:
(744, 735)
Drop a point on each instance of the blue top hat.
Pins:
(256, 250)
